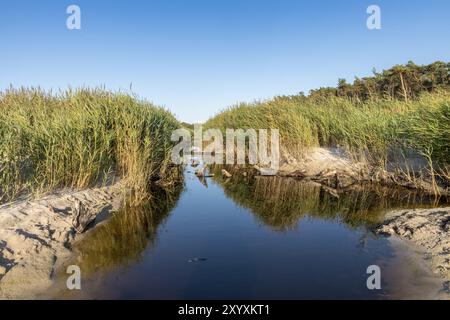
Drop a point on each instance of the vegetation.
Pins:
(187, 126)
(80, 138)
(404, 82)
(375, 125)
(83, 137)
(371, 126)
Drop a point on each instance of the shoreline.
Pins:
(36, 236)
(428, 229)
(335, 169)
(409, 274)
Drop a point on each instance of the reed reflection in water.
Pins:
(280, 202)
(123, 239)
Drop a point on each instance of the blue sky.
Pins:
(196, 57)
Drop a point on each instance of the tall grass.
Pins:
(78, 138)
(371, 128)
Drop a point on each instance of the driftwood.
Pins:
(300, 174)
(82, 217)
(334, 179)
(200, 172)
(226, 174)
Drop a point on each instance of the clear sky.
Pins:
(197, 57)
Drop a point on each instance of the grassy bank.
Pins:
(80, 138)
(369, 129)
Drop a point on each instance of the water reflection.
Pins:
(281, 202)
(123, 239)
(211, 247)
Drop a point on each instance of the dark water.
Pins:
(249, 238)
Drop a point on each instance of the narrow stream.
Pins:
(251, 238)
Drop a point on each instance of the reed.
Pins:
(370, 129)
(79, 138)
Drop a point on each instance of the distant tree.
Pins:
(404, 82)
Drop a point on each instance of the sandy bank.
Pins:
(429, 229)
(36, 237)
(335, 168)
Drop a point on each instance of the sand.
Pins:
(427, 228)
(36, 237)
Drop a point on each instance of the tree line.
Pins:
(404, 82)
